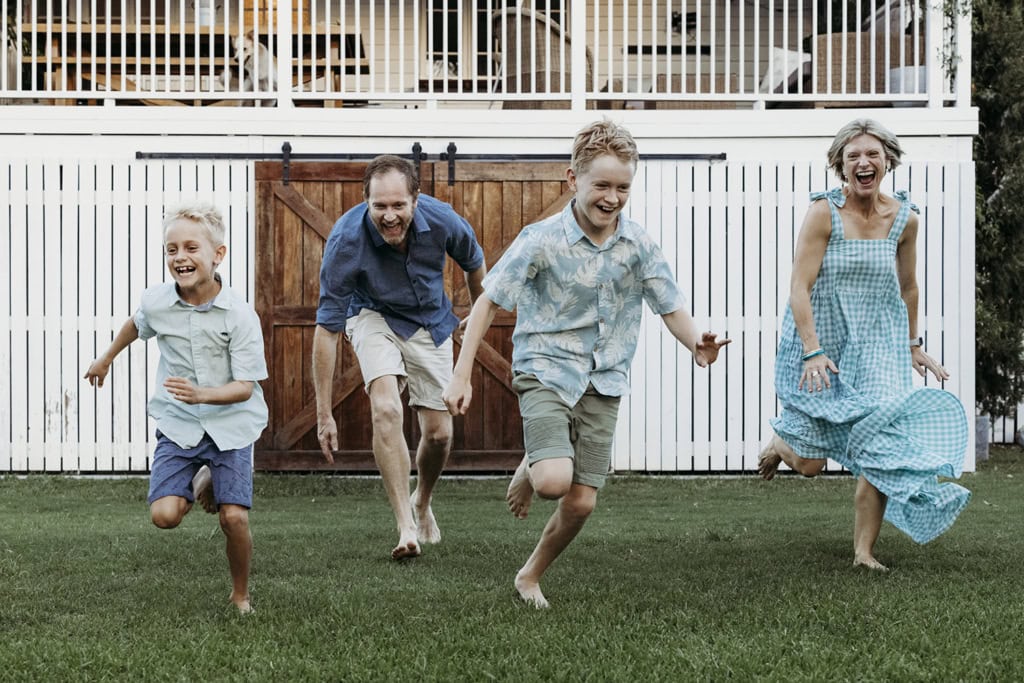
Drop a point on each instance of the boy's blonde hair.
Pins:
(206, 215)
(856, 128)
(602, 137)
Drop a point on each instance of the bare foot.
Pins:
(529, 592)
(242, 603)
(768, 463)
(423, 516)
(520, 492)
(202, 489)
(407, 546)
(869, 562)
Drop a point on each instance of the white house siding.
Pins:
(83, 222)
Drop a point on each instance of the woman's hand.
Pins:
(922, 362)
(815, 374)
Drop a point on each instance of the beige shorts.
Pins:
(426, 369)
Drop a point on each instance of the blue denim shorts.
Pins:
(174, 467)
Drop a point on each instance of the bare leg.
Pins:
(778, 451)
(573, 510)
(431, 456)
(869, 510)
(392, 456)
(234, 522)
(202, 489)
(520, 490)
(167, 512)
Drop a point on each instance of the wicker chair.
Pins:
(529, 45)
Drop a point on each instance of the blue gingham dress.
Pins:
(873, 421)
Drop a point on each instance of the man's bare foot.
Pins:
(426, 526)
(242, 603)
(529, 592)
(202, 489)
(520, 493)
(869, 562)
(768, 463)
(407, 546)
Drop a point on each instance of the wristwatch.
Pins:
(917, 342)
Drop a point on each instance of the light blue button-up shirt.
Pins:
(578, 303)
(210, 345)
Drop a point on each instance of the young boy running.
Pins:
(208, 405)
(577, 279)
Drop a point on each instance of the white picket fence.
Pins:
(84, 240)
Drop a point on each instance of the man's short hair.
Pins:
(602, 137)
(206, 215)
(386, 163)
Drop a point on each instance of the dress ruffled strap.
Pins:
(906, 206)
(834, 196)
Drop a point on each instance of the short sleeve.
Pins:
(506, 280)
(462, 245)
(248, 362)
(660, 289)
(141, 319)
(337, 283)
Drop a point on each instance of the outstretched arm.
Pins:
(99, 368)
(325, 352)
(459, 393)
(703, 346)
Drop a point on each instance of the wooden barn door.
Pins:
(292, 224)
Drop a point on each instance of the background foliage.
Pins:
(998, 78)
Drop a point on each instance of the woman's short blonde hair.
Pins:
(891, 145)
(602, 137)
(206, 215)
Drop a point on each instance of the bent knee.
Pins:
(578, 506)
(811, 468)
(165, 519)
(552, 488)
(437, 438)
(387, 414)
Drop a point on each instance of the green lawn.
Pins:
(672, 579)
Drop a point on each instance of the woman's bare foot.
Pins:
(768, 463)
(529, 592)
(242, 603)
(869, 562)
(520, 493)
(426, 526)
(407, 547)
(202, 489)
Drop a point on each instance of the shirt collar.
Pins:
(222, 300)
(574, 233)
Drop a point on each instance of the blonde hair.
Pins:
(602, 137)
(855, 128)
(206, 215)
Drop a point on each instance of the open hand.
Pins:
(815, 373)
(922, 362)
(706, 351)
(327, 435)
(183, 390)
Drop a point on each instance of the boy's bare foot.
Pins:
(768, 463)
(202, 489)
(529, 592)
(423, 516)
(242, 603)
(869, 562)
(407, 546)
(520, 492)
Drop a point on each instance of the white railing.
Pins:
(649, 54)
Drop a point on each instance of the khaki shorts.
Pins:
(554, 429)
(425, 368)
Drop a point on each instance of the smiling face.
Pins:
(864, 164)
(391, 207)
(602, 190)
(192, 259)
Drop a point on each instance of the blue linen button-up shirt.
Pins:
(360, 270)
(210, 345)
(578, 303)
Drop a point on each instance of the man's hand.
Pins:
(706, 351)
(327, 434)
(457, 396)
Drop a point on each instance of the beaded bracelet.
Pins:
(816, 352)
